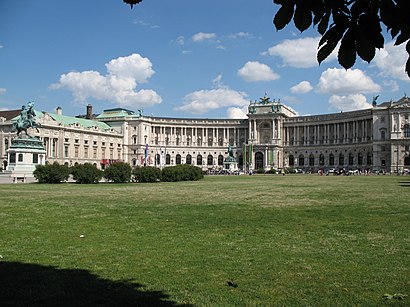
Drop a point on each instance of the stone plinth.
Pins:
(23, 156)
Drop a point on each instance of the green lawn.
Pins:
(262, 240)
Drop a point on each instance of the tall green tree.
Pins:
(356, 24)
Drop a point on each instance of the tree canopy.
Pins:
(356, 24)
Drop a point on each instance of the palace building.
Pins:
(272, 137)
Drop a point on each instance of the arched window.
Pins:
(350, 159)
(321, 159)
(258, 160)
(198, 160)
(369, 158)
(20, 158)
(168, 159)
(360, 159)
(311, 160)
(240, 160)
(134, 162)
(210, 160)
(301, 160)
(188, 159)
(291, 160)
(406, 130)
(134, 139)
(178, 159)
(383, 134)
(341, 159)
(331, 159)
(220, 160)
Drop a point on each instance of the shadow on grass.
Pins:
(35, 285)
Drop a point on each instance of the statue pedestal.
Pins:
(23, 156)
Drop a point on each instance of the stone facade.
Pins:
(272, 136)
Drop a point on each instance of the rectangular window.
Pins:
(94, 153)
(76, 151)
(12, 157)
(35, 158)
(66, 151)
(103, 153)
(86, 152)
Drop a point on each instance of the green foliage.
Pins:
(182, 172)
(147, 174)
(86, 173)
(132, 2)
(356, 24)
(260, 170)
(119, 172)
(51, 173)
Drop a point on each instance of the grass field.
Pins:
(263, 240)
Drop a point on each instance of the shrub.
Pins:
(86, 173)
(182, 172)
(260, 171)
(119, 172)
(51, 173)
(147, 174)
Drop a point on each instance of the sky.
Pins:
(180, 58)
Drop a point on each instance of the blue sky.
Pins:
(178, 58)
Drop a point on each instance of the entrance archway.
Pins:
(258, 160)
(407, 161)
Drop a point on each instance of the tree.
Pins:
(119, 172)
(356, 24)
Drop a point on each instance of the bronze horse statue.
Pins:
(26, 120)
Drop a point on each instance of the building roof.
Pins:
(10, 114)
(117, 112)
(60, 119)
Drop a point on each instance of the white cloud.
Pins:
(301, 88)
(300, 53)
(143, 23)
(237, 113)
(203, 101)
(254, 71)
(391, 61)
(392, 85)
(180, 40)
(2, 90)
(201, 36)
(349, 102)
(345, 82)
(118, 85)
(241, 35)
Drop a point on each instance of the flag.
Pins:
(146, 153)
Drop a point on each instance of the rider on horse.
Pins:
(26, 119)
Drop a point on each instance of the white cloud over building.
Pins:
(118, 85)
(301, 88)
(346, 82)
(254, 71)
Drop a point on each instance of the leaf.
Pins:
(283, 16)
(370, 25)
(387, 12)
(404, 35)
(347, 50)
(408, 66)
(364, 47)
(303, 15)
(323, 24)
(408, 47)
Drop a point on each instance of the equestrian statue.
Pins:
(26, 120)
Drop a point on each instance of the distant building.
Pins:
(272, 136)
